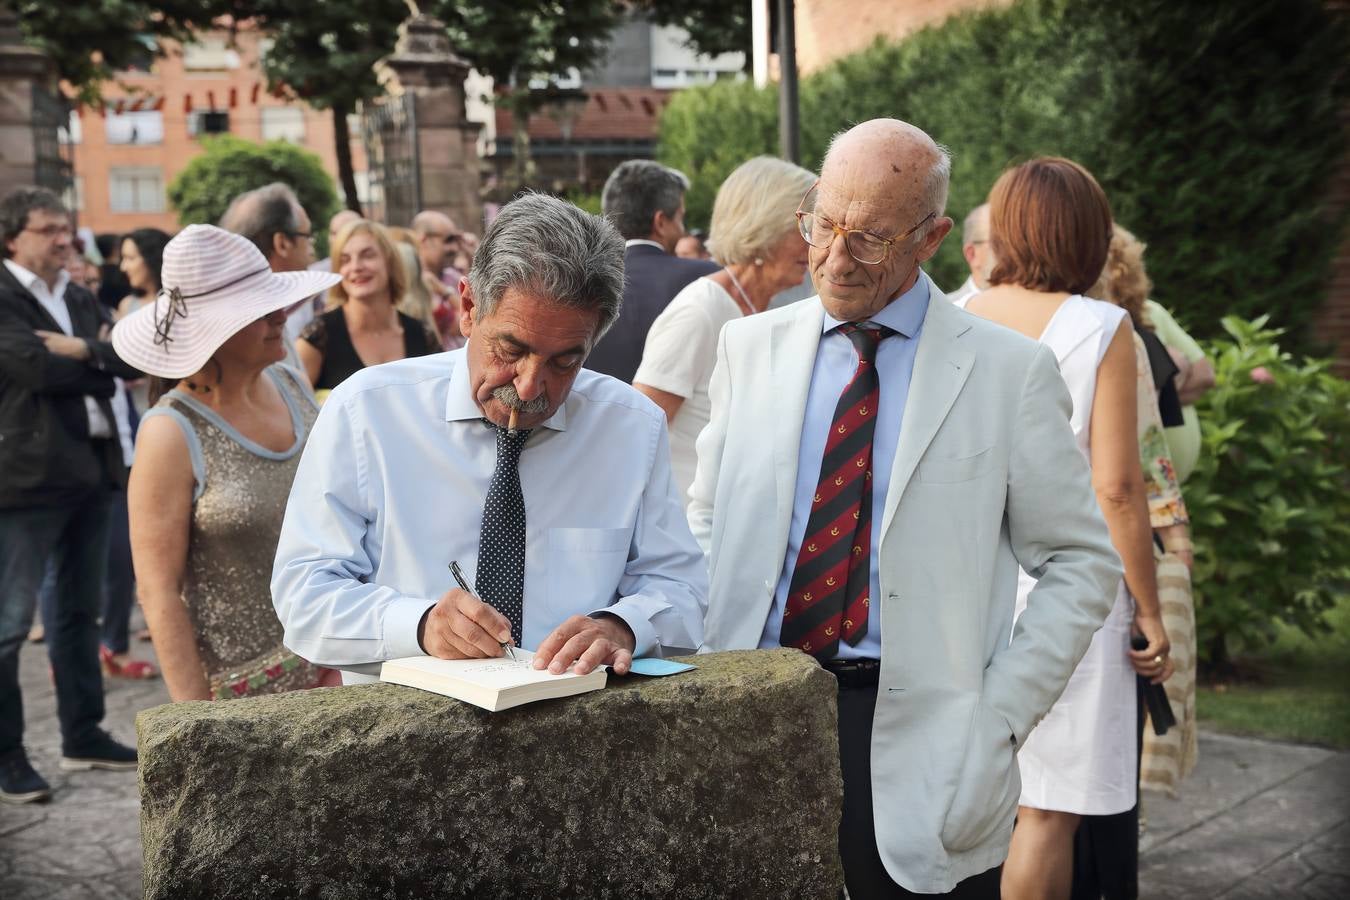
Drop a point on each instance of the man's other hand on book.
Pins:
(584, 642)
(460, 626)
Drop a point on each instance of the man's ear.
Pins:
(468, 307)
(659, 222)
(281, 245)
(933, 239)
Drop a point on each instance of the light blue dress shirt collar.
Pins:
(904, 314)
(460, 404)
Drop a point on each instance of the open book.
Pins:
(493, 684)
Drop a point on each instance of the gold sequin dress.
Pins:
(238, 503)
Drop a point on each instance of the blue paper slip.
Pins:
(649, 665)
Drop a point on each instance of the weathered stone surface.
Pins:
(721, 782)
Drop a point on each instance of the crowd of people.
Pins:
(957, 503)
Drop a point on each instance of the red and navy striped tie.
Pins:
(828, 595)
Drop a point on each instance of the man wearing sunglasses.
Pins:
(877, 467)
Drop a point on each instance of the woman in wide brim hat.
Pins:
(215, 457)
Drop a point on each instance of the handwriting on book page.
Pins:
(506, 664)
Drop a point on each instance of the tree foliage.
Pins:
(325, 53)
(714, 26)
(1270, 497)
(526, 46)
(1213, 128)
(93, 41)
(229, 165)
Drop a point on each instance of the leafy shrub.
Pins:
(230, 166)
(1213, 127)
(1270, 496)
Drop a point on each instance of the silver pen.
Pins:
(464, 585)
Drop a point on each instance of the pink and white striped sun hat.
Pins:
(215, 283)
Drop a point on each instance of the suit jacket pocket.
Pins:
(988, 785)
(943, 470)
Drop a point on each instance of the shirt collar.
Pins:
(461, 407)
(643, 242)
(903, 315)
(31, 280)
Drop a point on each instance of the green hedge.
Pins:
(1270, 496)
(1213, 126)
(202, 192)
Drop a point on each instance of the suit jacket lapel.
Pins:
(792, 358)
(941, 367)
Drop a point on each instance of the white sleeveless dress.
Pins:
(1081, 757)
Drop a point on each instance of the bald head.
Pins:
(894, 161)
(437, 237)
(975, 246)
(341, 220)
(887, 179)
(975, 229)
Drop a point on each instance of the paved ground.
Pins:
(1256, 820)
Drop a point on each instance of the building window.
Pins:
(72, 133)
(209, 55)
(209, 121)
(283, 123)
(141, 127)
(73, 196)
(136, 190)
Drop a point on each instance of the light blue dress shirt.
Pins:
(391, 488)
(836, 361)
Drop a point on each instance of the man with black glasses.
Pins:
(61, 462)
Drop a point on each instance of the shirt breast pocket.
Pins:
(950, 470)
(584, 568)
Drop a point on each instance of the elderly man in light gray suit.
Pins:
(878, 465)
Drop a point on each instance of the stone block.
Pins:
(721, 782)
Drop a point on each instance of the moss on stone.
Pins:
(720, 782)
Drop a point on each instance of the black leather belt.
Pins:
(854, 673)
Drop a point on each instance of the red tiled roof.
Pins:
(625, 113)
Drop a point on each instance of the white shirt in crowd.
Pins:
(391, 489)
(964, 292)
(679, 357)
(54, 301)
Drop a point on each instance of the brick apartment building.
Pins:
(127, 151)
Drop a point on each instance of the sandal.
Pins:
(132, 669)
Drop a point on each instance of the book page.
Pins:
(500, 673)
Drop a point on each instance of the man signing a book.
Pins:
(549, 485)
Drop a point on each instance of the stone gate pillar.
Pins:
(424, 65)
(31, 110)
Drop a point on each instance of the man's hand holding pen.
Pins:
(460, 626)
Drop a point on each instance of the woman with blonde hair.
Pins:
(754, 236)
(1050, 226)
(363, 326)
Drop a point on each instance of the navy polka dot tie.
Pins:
(500, 579)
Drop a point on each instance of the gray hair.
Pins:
(971, 230)
(260, 214)
(547, 248)
(636, 191)
(938, 181)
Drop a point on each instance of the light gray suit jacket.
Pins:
(987, 477)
